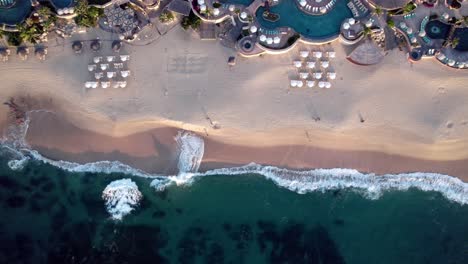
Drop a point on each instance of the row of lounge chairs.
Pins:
(310, 84)
(311, 64)
(358, 8)
(105, 66)
(122, 58)
(105, 84)
(317, 75)
(111, 74)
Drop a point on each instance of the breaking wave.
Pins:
(191, 150)
(121, 197)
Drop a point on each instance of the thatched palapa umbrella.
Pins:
(116, 45)
(23, 53)
(95, 45)
(41, 53)
(4, 54)
(77, 46)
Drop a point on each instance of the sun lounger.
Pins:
(97, 59)
(104, 66)
(124, 57)
(125, 74)
(310, 84)
(105, 85)
(111, 75)
(92, 67)
(98, 75)
(110, 58)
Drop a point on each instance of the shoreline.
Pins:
(154, 151)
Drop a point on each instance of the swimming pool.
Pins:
(436, 29)
(15, 14)
(237, 2)
(61, 3)
(309, 26)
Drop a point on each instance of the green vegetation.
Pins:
(87, 16)
(13, 38)
(391, 23)
(166, 17)
(367, 31)
(378, 11)
(454, 43)
(408, 8)
(191, 21)
(216, 5)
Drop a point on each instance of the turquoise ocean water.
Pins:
(49, 215)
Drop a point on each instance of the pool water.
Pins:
(436, 29)
(61, 3)
(309, 26)
(15, 14)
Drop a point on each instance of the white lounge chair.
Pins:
(331, 75)
(310, 84)
(123, 84)
(111, 75)
(125, 74)
(98, 75)
(298, 64)
(293, 83)
(104, 66)
(321, 84)
(124, 57)
(327, 85)
(311, 64)
(304, 75)
(105, 85)
(110, 58)
(91, 67)
(300, 84)
(325, 64)
(97, 59)
(304, 53)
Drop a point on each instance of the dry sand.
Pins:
(416, 116)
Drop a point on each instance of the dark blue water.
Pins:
(52, 216)
(310, 26)
(15, 14)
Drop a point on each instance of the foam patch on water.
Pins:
(191, 149)
(121, 197)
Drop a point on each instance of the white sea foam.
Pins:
(191, 150)
(121, 197)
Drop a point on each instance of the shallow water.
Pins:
(53, 216)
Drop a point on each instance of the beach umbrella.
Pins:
(216, 11)
(276, 40)
(318, 54)
(98, 75)
(318, 75)
(110, 58)
(300, 84)
(346, 25)
(243, 15)
(304, 53)
(41, 53)
(95, 45)
(304, 75)
(232, 8)
(105, 84)
(116, 85)
(351, 21)
(297, 63)
(263, 38)
(88, 84)
(325, 64)
(331, 54)
(445, 16)
(124, 57)
(310, 84)
(91, 67)
(125, 74)
(327, 85)
(461, 65)
(123, 84)
(422, 34)
(253, 29)
(77, 46)
(97, 59)
(22, 53)
(116, 45)
(321, 84)
(104, 66)
(311, 64)
(94, 85)
(269, 41)
(110, 75)
(293, 83)
(332, 75)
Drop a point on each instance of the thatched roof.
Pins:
(22, 52)
(77, 46)
(116, 45)
(41, 53)
(366, 53)
(95, 45)
(390, 4)
(4, 53)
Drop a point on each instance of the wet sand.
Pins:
(154, 151)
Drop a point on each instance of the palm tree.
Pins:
(44, 12)
(378, 11)
(454, 42)
(367, 31)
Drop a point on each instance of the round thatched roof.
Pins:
(116, 45)
(4, 52)
(366, 53)
(77, 46)
(95, 45)
(22, 52)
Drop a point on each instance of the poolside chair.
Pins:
(125, 74)
(310, 84)
(92, 67)
(105, 85)
(104, 66)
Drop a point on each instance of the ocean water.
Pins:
(50, 215)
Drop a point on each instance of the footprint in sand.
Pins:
(449, 124)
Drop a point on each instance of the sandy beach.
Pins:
(415, 117)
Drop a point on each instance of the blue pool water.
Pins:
(436, 29)
(15, 14)
(309, 26)
(237, 2)
(61, 3)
